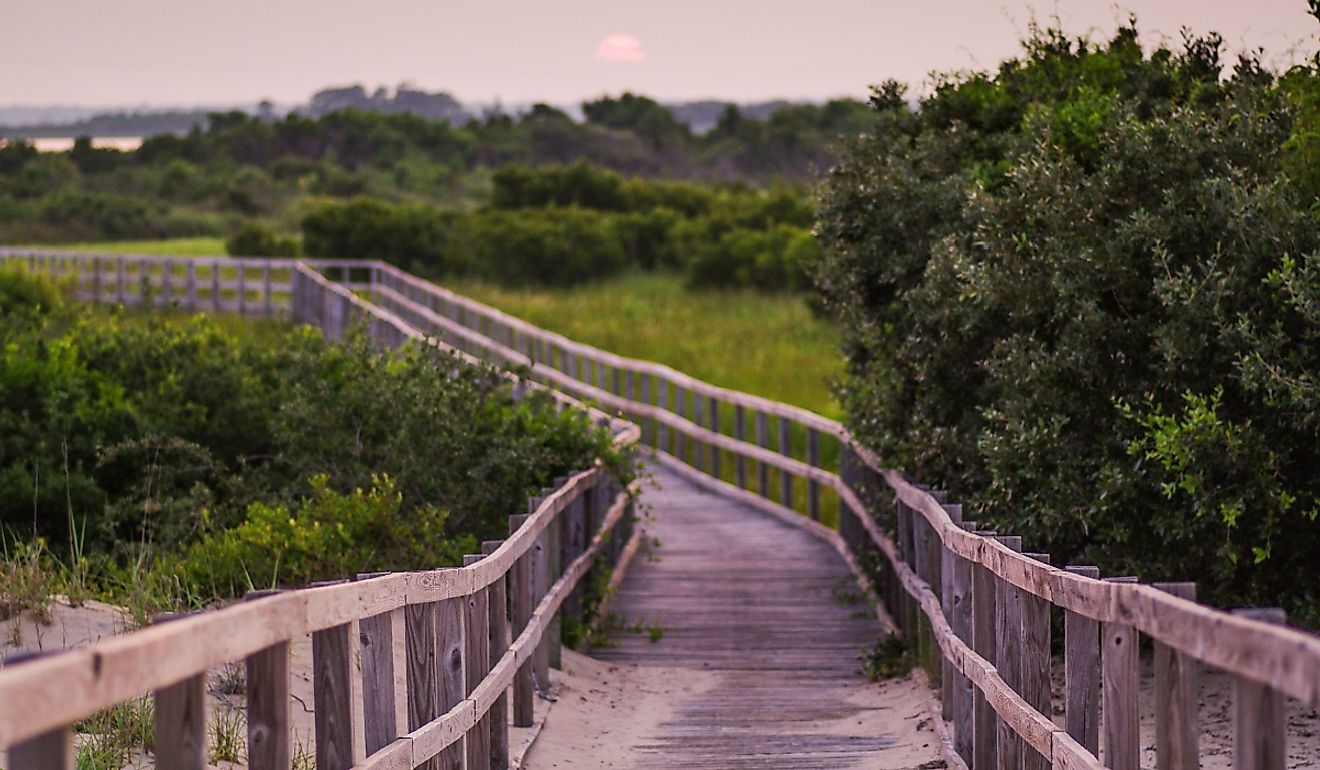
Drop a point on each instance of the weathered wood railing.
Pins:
(979, 610)
(472, 643)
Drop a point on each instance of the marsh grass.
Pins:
(772, 345)
(108, 739)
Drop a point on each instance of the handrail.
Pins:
(587, 518)
(942, 580)
(1283, 660)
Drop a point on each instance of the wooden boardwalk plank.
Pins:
(769, 608)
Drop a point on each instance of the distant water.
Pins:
(65, 143)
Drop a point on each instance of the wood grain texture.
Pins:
(332, 669)
(1081, 673)
(423, 668)
(1177, 699)
(984, 720)
(180, 719)
(1119, 677)
(376, 646)
(1036, 659)
(267, 685)
(451, 659)
(744, 595)
(1260, 714)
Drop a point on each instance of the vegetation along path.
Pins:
(757, 626)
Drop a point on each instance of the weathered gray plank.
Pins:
(1260, 715)
(332, 692)
(1119, 682)
(1081, 673)
(1177, 705)
(180, 717)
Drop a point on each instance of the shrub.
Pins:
(253, 239)
(1072, 295)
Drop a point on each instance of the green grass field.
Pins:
(175, 247)
(770, 345)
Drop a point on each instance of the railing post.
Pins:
(698, 446)
(762, 440)
(332, 670)
(1036, 660)
(680, 435)
(956, 598)
(52, 750)
(1119, 682)
(242, 295)
(376, 658)
(715, 427)
(739, 432)
(269, 305)
(1008, 660)
(813, 486)
(648, 427)
(785, 449)
(166, 283)
(1081, 673)
(662, 441)
(423, 672)
(499, 644)
(984, 611)
(180, 720)
(451, 653)
(191, 282)
(1260, 713)
(476, 622)
(520, 586)
(216, 303)
(1176, 699)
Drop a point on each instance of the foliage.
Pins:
(168, 460)
(253, 239)
(1068, 297)
(562, 225)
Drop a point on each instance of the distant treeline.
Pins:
(243, 169)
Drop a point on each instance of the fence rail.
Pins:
(978, 609)
(475, 640)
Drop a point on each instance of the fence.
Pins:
(978, 609)
(438, 698)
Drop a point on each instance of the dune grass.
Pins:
(770, 345)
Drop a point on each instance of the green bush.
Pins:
(253, 239)
(1076, 294)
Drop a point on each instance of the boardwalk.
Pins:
(775, 614)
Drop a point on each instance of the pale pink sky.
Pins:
(179, 52)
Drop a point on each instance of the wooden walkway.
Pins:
(769, 608)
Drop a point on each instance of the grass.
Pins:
(770, 345)
(172, 247)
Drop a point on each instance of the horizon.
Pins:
(679, 51)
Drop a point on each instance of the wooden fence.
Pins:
(979, 609)
(474, 642)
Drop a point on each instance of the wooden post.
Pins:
(541, 580)
(215, 285)
(739, 431)
(813, 486)
(96, 279)
(698, 447)
(648, 428)
(266, 291)
(680, 436)
(121, 282)
(451, 655)
(52, 750)
(984, 718)
(1008, 659)
(166, 282)
(376, 655)
(714, 426)
(499, 644)
(956, 601)
(520, 588)
(1036, 661)
(180, 719)
(1119, 682)
(332, 668)
(1081, 673)
(477, 650)
(1177, 703)
(762, 440)
(662, 441)
(191, 283)
(242, 298)
(1260, 713)
(785, 449)
(423, 669)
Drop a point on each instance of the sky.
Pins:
(195, 52)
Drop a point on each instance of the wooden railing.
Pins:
(977, 609)
(472, 643)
